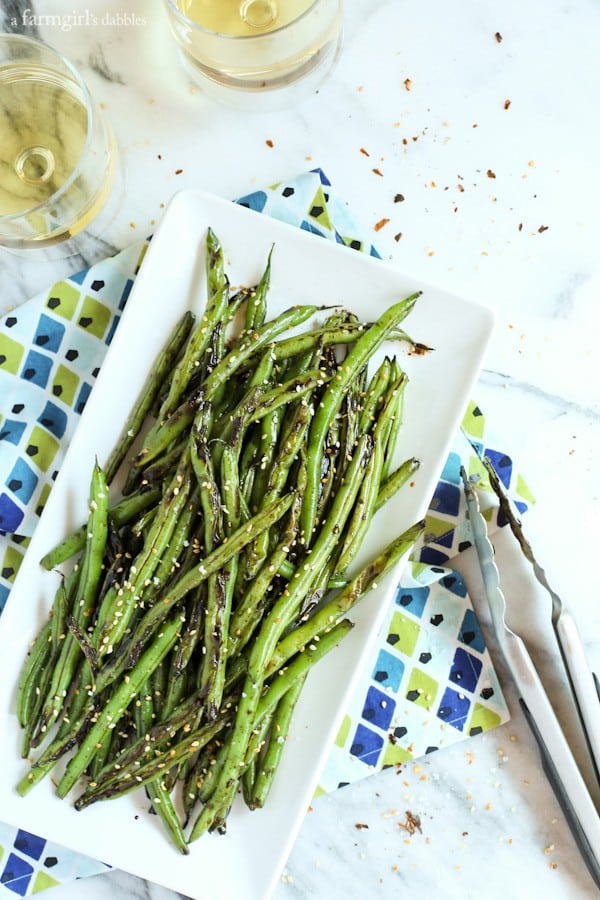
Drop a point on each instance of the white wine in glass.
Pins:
(249, 47)
(57, 154)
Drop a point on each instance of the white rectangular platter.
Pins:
(246, 862)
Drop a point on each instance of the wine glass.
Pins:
(257, 53)
(58, 157)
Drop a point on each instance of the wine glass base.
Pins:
(283, 92)
(68, 244)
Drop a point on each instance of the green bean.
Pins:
(164, 432)
(161, 369)
(374, 399)
(83, 602)
(217, 805)
(280, 725)
(123, 782)
(256, 746)
(289, 448)
(29, 682)
(118, 703)
(120, 514)
(157, 792)
(367, 497)
(395, 481)
(364, 347)
(256, 309)
(339, 605)
(290, 318)
(216, 306)
(211, 564)
(215, 612)
(55, 750)
(277, 620)
(120, 603)
(162, 803)
(394, 427)
(246, 617)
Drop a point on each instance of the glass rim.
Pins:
(5, 38)
(181, 16)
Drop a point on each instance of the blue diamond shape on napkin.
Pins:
(366, 745)
(16, 875)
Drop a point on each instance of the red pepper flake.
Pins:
(490, 174)
(506, 104)
(360, 825)
(399, 198)
(412, 823)
(498, 37)
(398, 236)
(178, 171)
(364, 152)
(377, 172)
(381, 224)
(543, 228)
(269, 142)
(408, 83)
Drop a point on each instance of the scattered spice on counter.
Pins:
(159, 155)
(398, 236)
(507, 104)
(381, 224)
(269, 142)
(178, 171)
(520, 226)
(498, 37)
(543, 228)
(461, 188)
(411, 824)
(399, 198)
(364, 152)
(377, 172)
(490, 173)
(554, 865)
(360, 825)
(408, 83)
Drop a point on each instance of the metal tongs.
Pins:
(558, 761)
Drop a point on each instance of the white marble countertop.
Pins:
(501, 205)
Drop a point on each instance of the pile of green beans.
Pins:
(194, 602)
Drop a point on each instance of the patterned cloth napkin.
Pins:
(430, 682)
